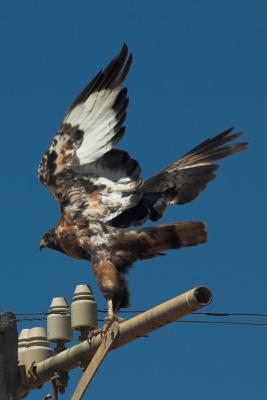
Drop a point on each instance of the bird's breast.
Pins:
(74, 241)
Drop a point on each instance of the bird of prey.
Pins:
(102, 195)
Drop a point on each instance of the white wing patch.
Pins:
(97, 119)
(87, 176)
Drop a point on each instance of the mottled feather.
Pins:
(80, 168)
(100, 190)
(182, 181)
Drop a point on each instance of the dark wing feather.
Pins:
(182, 181)
(80, 159)
(93, 124)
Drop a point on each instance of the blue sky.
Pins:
(199, 68)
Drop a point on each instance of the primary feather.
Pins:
(100, 190)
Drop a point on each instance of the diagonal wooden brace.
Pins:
(96, 361)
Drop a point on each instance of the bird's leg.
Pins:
(107, 278)
(111, 313)
(111, 317)
(108, 322)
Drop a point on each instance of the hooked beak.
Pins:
(42, 245)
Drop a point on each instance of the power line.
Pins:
(224, 314)
(42, 316)
(212, 314)
(104, 311)
(223, 322)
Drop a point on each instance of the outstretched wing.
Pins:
(182, 181)
(80, 161)
(189, 176)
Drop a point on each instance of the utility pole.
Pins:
(134, 328)
(8, 357)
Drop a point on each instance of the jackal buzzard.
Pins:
(101, 193)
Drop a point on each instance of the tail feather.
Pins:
(146, 243)
(130, 246)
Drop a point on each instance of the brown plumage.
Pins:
(101, 193)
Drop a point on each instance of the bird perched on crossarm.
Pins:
(101, 193)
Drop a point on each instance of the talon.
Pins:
(110, 319)
(120, 320)
(107, 324)
(93, 334)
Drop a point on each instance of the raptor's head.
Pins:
(50, 240)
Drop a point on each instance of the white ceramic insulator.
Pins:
(38, 347)
(59, 321)
(83, 309)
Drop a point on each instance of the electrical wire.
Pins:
(236, 314)
(210, 314)
(42, 316)
(104, 311)
(242, 323)
(213, 314)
